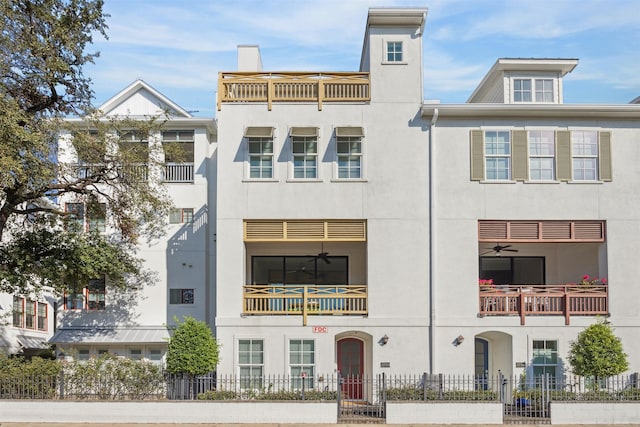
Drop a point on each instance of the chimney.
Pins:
(249, 58)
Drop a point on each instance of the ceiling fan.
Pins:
(324, 256)
(498, 249)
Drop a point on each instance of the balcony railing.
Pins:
(293, 87)
(304, 300)
(548, 300)
(178, 172)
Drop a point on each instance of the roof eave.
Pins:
(579, 111)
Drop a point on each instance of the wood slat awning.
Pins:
(299, 230)
(522, 231)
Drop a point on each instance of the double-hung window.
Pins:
(545, 359)
(584, 150)
(304, 142)
(302, 363)
(349, 152)
(90, 297)
(522, 90)
(29, 314)
(497, 150)
(260, 149)
(533, 90)
(394, 51)
(87, 217)
(544, 90)
(251, 363)
(542, 155)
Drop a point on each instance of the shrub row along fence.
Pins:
(125, 379)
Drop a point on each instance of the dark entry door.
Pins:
(350, 361)
(482, 363)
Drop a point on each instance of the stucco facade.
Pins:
(342, 223)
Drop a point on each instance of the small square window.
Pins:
(180, 296)
(394, 51)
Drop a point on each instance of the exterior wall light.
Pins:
(459, 339)
(384, 340)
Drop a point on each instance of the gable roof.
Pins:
(140, 99)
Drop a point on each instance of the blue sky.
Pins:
(178, 47)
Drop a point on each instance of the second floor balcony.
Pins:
(544, 300)
(304, 300)
(243, 87)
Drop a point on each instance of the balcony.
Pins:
(544, 300)
(304, 300)
(178, 172)
(243, 87)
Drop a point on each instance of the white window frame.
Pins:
(541, 151)
(308, 169)
(548, 353)
(393, 55)
(495, 157)
(346, 162)
(536, 92)
(265, 168)
(299, 365)
(580, 155)
(543, 91)
(254, 364)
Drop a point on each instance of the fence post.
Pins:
(440, 386)
(61, 384)
(502, 384)
(339, 394)
(424, 386)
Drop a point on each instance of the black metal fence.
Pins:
(516, 392)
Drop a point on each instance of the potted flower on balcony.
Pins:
(486, 282)
(590, 282)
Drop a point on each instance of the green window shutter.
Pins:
(604, 157)
(519, 155)
(563, 155)
(477, 155)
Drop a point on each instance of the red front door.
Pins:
(350, 354)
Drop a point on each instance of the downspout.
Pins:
(432, 228)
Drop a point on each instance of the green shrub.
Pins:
(24, 379)
(113, 378)
(267, 395)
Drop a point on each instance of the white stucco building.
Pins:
(97, 318)
(337, 222)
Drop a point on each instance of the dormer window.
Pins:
(533, 90)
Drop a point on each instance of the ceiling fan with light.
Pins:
(498, 249)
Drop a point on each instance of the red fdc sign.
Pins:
(320, 329)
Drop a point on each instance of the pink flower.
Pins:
(585, 277)
(604, 281)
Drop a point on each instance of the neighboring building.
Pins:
(533, 194)
(95, 318)
(337, 222)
